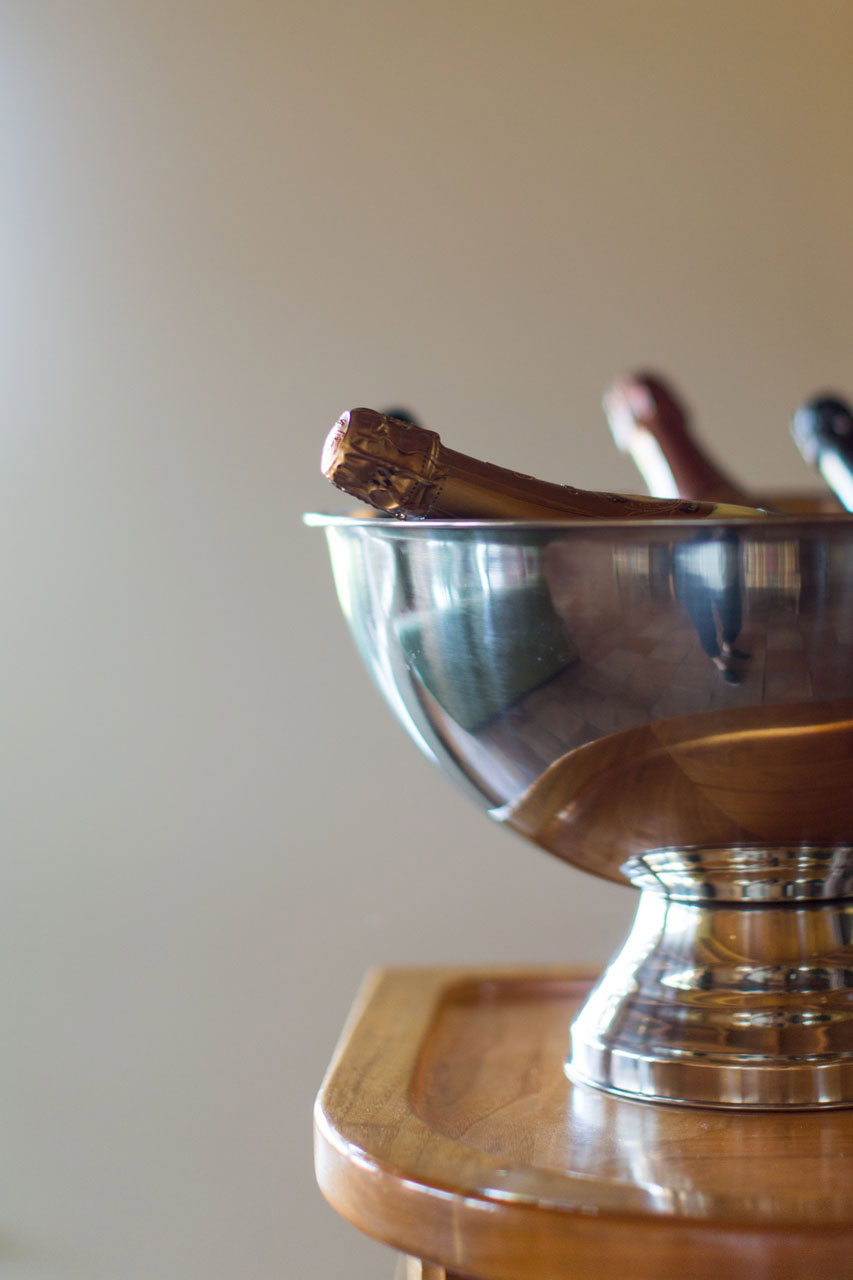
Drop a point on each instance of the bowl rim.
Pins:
(407, 526)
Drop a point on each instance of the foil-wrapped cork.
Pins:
(390, 464)
(824, 420)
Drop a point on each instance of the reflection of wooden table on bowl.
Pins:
(446, 1128)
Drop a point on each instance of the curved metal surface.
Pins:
(725, 1005)
(666, 703)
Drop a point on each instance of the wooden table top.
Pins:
(447, 1128)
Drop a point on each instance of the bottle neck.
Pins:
(405, 470)
(837, 473)
(474, 489)
(677, 468)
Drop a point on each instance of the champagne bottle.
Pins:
(405, 470)
(403, 415)
(649, 421)
(823, 431)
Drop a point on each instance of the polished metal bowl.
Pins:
(667, 704)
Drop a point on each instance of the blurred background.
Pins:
(221, 224)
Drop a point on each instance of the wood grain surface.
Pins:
(447, 1128)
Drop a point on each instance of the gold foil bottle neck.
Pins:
(387, 463)
(405, 470)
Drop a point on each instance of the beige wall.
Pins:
(222, 223)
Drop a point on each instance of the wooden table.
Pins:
(447, 1128)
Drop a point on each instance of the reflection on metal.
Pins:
(773, 564)
(666, 705)
(726, 1005)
